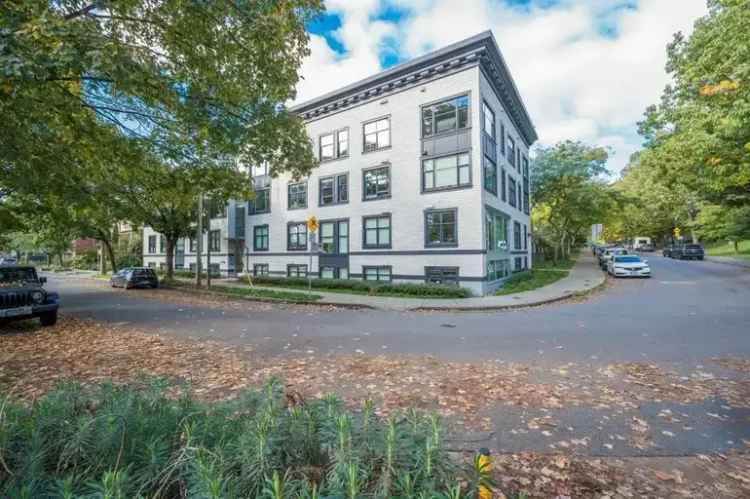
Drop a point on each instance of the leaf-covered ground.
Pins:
(485, 404)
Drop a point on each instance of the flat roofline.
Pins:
(485, 38)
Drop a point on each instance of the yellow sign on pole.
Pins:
(676, 232)
(312, 224)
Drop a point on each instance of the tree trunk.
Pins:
(736, 244)
(60, 258)
(110, 254)
(199, 243)
(171, 241)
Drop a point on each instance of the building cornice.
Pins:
(480, 50)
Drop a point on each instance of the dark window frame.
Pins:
(512, 196)
(211, 240)
(434, 211)
(431, 107)
(252, 206)
(378, 268)
(289, 195)
(486, 107)
(256, 247)
(297, 266)
(378, 245)
(336, 135)
(517, 243)
(492, 185)
(442, 270)
(336, 189)
(257, 266)
(365, 149)
(511, 151)
(152, 244)
(297, 247)
(364, 183)
(458, 185)
(336, 235)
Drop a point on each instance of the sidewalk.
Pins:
(728, 260)
(585, 276)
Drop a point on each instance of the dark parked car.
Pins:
(688, 252)
(23, 297)
(135, 277)
(667, 250)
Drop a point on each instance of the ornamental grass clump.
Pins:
(142, 441)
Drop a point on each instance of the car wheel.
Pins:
(48, 319)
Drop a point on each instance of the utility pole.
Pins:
(199, 243)
(208, 245)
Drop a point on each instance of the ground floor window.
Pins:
(333, 272)
(152, 265)
(193, 267)
(215, 269)
(441, 275)
(518, 264)
(382, 273)
(498, 269)
(260, 269)
(293, 270)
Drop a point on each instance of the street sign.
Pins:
(676, 232)
(312, 224)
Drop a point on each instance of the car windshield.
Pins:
(693, 246)
(627, 259)
(16, 275)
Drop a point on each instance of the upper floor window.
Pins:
(162, 244)
(503, 187)
(217, 208)
(261, 203)
(511, 151)
(445, 116)
(334, 145)
(377, 232)
(152, 244)
(376, 183)
(334, 189)
(489, 120)
(502, 138)
(446, 172)
(296, 236)
(441, 227)
(334, 237)
(377, 134)
(525, 166)
(297, 195)
(260, 238)
(512, 191)
(490, 175)
(192, 245)
(516, 235)
(214, 240)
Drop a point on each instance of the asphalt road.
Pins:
(687, 312)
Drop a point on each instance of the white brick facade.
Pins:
(463, 69)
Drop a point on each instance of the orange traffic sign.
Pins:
(312, 224)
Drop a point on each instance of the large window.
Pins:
(294, 270)
(503, 187)
(525, 237)
(334, 145)
(526, 203)
(377, 232)
(512, 196)
(447, 172)
(297, 195)
(496, 228)
(162, 244)
(261, 203)
(260, 269)
(192, 245)
(498, 269)
(511, 151)
(445, 116)
(516, 235)
(377, 134)
(152, 244)
(441, 275)
(260, 238)
(488, 120)
(381, 273)
(490, 175)
(376, 183)
(334, 190)
(441, 227)
(296, 236)
(214, 240)
(334, 237)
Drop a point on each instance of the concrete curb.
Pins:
(517, 306)
(731, 262)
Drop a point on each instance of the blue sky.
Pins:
(586, 69)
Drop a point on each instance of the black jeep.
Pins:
(23, 297)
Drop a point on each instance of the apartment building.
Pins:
(423, 177)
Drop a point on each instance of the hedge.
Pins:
(366, 287)
(140, 441)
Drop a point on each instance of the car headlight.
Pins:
(37, 297)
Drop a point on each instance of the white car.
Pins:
(628, 266)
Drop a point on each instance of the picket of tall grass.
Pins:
(138, 442)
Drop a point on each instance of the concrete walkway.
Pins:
(584, 277)
(728, 260)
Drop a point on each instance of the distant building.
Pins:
(423, 177)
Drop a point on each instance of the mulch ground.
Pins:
(33, 360)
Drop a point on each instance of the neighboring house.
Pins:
(423, 177)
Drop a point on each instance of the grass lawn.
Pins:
(727, 249)
(543, 274)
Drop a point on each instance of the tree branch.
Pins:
(81, 12)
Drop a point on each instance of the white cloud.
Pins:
(576, 83)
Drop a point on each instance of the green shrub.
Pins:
(135, 442)
(365, 287)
